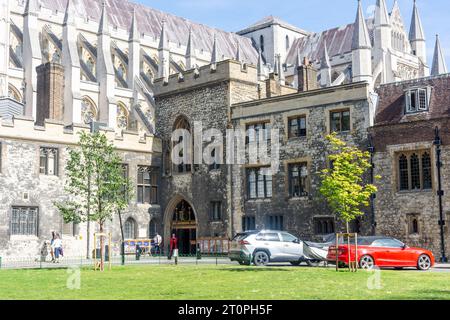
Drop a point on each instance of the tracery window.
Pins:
(88, 111)
(122, 116)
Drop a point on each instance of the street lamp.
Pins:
(371, 150)
(438, 143)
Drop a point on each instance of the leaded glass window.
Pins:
(403, 170)
(426, 169)
(259, 185)
(298, 175)
(129, 229)
(147, 185)
(24, 221)
(340, 121)
(415, 171)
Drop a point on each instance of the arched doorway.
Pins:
(184, 225)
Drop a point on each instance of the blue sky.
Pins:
(311, 15)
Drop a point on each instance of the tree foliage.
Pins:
(343, 185)
(95, 183)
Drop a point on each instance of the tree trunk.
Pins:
(102, 256)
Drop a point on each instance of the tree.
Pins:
(95, 183)
(343, 185)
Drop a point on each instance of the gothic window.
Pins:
(298, 175)
(147, 185)
(259, 185)
(414, 171)
(48, 164)
(122, 116)
(13, 93)
(324, 226)
(340, 121)
(413, 224)
(88, 111)
(248, 223)
(416, 100)
(261, 43)
(297, 127)
(183, 123)
(24, 221)
(129, 229)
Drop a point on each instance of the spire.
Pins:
(325, 63)
(381, 14)
(190, 50)
(134, 32)
(215, 53)
(361, 38)
(31, 7)
(439, 65)
(416, 31)
(70, 13)
(103, 27)
(163, 39)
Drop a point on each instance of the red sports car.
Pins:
(383, 252)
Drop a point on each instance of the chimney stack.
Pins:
(307, 76)
(50, 92)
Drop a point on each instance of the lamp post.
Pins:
(371, 150)
(438, 143)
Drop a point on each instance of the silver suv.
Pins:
(263, 247)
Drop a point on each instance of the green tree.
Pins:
(343, 185)
(95, 183)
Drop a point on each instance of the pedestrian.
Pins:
(173, 252)
(57, 248)
(51, 246)
(157, 241)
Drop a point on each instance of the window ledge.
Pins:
(299, 199)
(259, 200)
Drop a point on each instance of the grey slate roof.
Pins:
(271, 20)
(120, 14)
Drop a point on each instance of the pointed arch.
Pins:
(14, 94)
(89, 110)
(123, 116)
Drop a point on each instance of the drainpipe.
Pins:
(371, 150)
(438, 143)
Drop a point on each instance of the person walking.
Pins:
(51, 246)
(158, 241)
(173, 252)
(57, 248)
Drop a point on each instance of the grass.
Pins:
(222, 283)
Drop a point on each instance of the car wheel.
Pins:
(424, 263)
(295, 263)
(313, 263)
(261, 259)
(366, 262)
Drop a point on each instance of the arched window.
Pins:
(13, 93)
(129, 229)
(88, 110)
(122, 116)
(183, 123)
(415, 226)
(288, 43)
(152, 229)
(261, 43)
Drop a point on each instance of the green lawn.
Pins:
(222, 283)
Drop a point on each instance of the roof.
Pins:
(391, 104)
(339, 41)
(269, 21)
(149, 21)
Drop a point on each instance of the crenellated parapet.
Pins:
(55, 132)
(223, 71)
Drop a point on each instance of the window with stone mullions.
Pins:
(24, 221)
(340, 121)
(414, 171)
(259, 184)
(48, 163)
(298, 175)
(297, 127)
(147, 185)
(258, 130)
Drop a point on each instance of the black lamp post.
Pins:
(440, 192)
(371, 150)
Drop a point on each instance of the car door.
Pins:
(389, 252)
(292, 248)
(271, 241)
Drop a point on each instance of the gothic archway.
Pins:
(180, 219)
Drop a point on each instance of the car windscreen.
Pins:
(241, 236)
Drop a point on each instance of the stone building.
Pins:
(407, 202)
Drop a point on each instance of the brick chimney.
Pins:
(307, 76)
(50, 92)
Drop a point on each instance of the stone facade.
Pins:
(22, 185)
